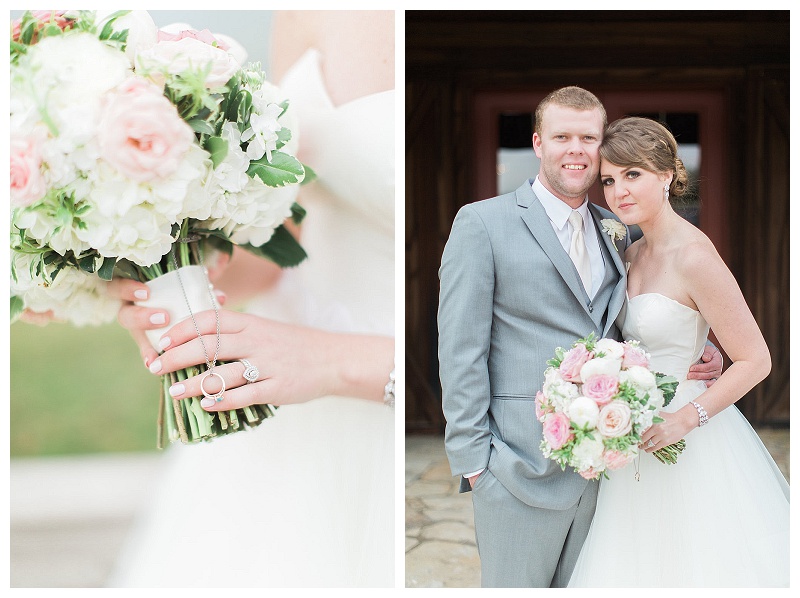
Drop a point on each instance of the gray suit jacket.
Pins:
(509, 296)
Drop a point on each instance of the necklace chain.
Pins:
(209, 363)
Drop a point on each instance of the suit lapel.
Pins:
(616, 304)
(538, 223)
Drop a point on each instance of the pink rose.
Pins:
(188, 54)
(140, 132)
(601, 388)
(589, 474)
(556, 430)
(634, 356)
(615, 419)
(44, 17)
(572, 363)
(617, 459)
(204, 36)
(27, 182)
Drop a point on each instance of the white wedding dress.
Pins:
(307, 498)
(717, 518)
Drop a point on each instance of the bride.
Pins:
(307, 498)
(720, 516)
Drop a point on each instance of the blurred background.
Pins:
(83, 414)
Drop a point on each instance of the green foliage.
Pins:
(282, 249)
(281, 171)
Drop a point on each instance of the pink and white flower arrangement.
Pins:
(125, 139)
(597, 399)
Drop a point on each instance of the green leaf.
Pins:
(218, 148)
(106, 271)
(220, 242)
(87, 264)
(282, 249)
(283, 170)
(298, 213)
(310, 175)
(17, 307)
(201, 126)
(284, 137)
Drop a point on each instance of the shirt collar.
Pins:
(557, 210)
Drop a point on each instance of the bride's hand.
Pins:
(138, 319)
(674, 427)
(295, 364)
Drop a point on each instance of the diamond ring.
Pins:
(650, 443)
(250, 371)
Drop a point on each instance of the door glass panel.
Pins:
(516, 160)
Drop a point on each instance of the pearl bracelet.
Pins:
(701, 413)
(388, 391)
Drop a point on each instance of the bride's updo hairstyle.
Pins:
(636, 142)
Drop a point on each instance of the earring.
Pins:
(666, 191)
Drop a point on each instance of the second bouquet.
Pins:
(135, 153)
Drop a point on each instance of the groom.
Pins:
(520, 276)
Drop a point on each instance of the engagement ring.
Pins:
(250, 371)
(650, 443)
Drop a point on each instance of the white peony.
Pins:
(610, 348)
(609, 366)
(584, 412)
(142, 30)
(639, 377)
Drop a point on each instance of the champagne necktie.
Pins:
(577, 251)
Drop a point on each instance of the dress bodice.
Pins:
(347, 282)
(674, 334)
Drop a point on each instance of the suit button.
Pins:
(591, 308)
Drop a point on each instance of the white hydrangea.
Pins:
(74, 296)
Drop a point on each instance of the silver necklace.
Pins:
(211, 363)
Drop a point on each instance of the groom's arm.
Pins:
(465, 322)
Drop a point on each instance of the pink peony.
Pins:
(589, 474)
(204, 36)
(601, 388)
(615, 419)
(617, 459)
(188, 54)
(556, 429)
(140, 132)
(634, 356)
(27, 183)
(573, 361)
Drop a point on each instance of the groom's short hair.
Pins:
(573, 97)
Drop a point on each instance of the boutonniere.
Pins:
(613, 228)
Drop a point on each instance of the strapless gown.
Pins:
(717, 518)
(307, 498)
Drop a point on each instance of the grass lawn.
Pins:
(79, 390)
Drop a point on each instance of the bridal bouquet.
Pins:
(597, 399)
(134, 152)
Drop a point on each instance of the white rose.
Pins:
(177, 57)
(608, 366)
(142, 30)
(639, 377)
(588, 453)
(610, 348)
(584, 412)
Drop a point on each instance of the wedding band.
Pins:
(650, 443)
(217, 396)
(250, 371)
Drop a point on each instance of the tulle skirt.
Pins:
(717, 518)
(304, 500)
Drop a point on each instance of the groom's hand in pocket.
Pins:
(709, 368)
(472, 479)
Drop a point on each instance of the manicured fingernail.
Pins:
(164, 343)
(206, 403)
(140, 294)
(155, 367)
(147, 362)
(176, 390)
(158, 319)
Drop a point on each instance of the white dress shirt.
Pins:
(559, 212)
